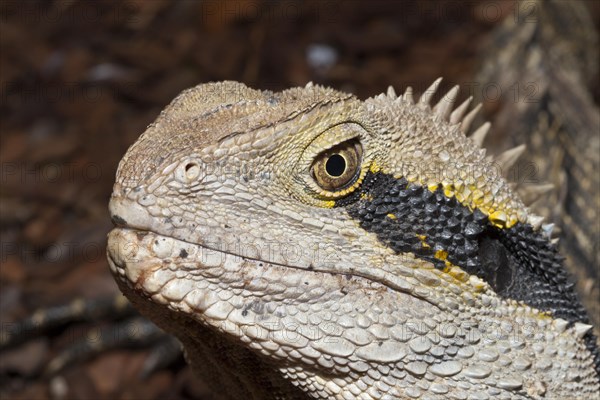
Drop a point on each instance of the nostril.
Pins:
(188, 172)
(192, 170)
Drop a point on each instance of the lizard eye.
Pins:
(338, 167)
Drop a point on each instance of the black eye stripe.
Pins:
(517, 262)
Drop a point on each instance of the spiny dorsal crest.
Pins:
(460, 118)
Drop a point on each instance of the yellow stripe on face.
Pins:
(493, 197)
(474, 198)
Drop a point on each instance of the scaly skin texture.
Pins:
(425, 276)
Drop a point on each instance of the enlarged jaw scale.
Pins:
(306, 244)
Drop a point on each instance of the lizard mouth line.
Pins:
(202, 247)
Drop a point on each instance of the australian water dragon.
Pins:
(306, 244)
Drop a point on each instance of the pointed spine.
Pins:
(457, 114)
(536, 221)
(581, 329)
(468, 120)
(443, 108)
(391, 93)
(547, 230)
(479, 135)
(507, 159)
(429, 93)
(408, 95)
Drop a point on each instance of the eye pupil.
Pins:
(335, 165)
(337, 168)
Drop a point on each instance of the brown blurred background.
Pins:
(80, 80)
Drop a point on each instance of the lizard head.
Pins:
(321, 235)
